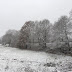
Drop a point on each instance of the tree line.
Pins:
(42, 35)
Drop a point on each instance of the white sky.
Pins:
(14, 13)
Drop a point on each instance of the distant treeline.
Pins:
(42, 35)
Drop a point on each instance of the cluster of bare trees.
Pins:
(10, 38)
(42, 34)
(35, 33)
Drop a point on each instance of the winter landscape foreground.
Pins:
(15, 60)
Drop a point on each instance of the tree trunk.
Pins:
(45, 39)
(67, 41)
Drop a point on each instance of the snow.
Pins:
(15, 60)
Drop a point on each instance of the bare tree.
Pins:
(25, 34)
(61, 31)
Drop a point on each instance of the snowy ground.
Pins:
(15, 60)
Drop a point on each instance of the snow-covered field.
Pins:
(15, 60)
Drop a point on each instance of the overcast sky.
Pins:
(14, 13)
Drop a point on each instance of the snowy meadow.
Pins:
(15, 60)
